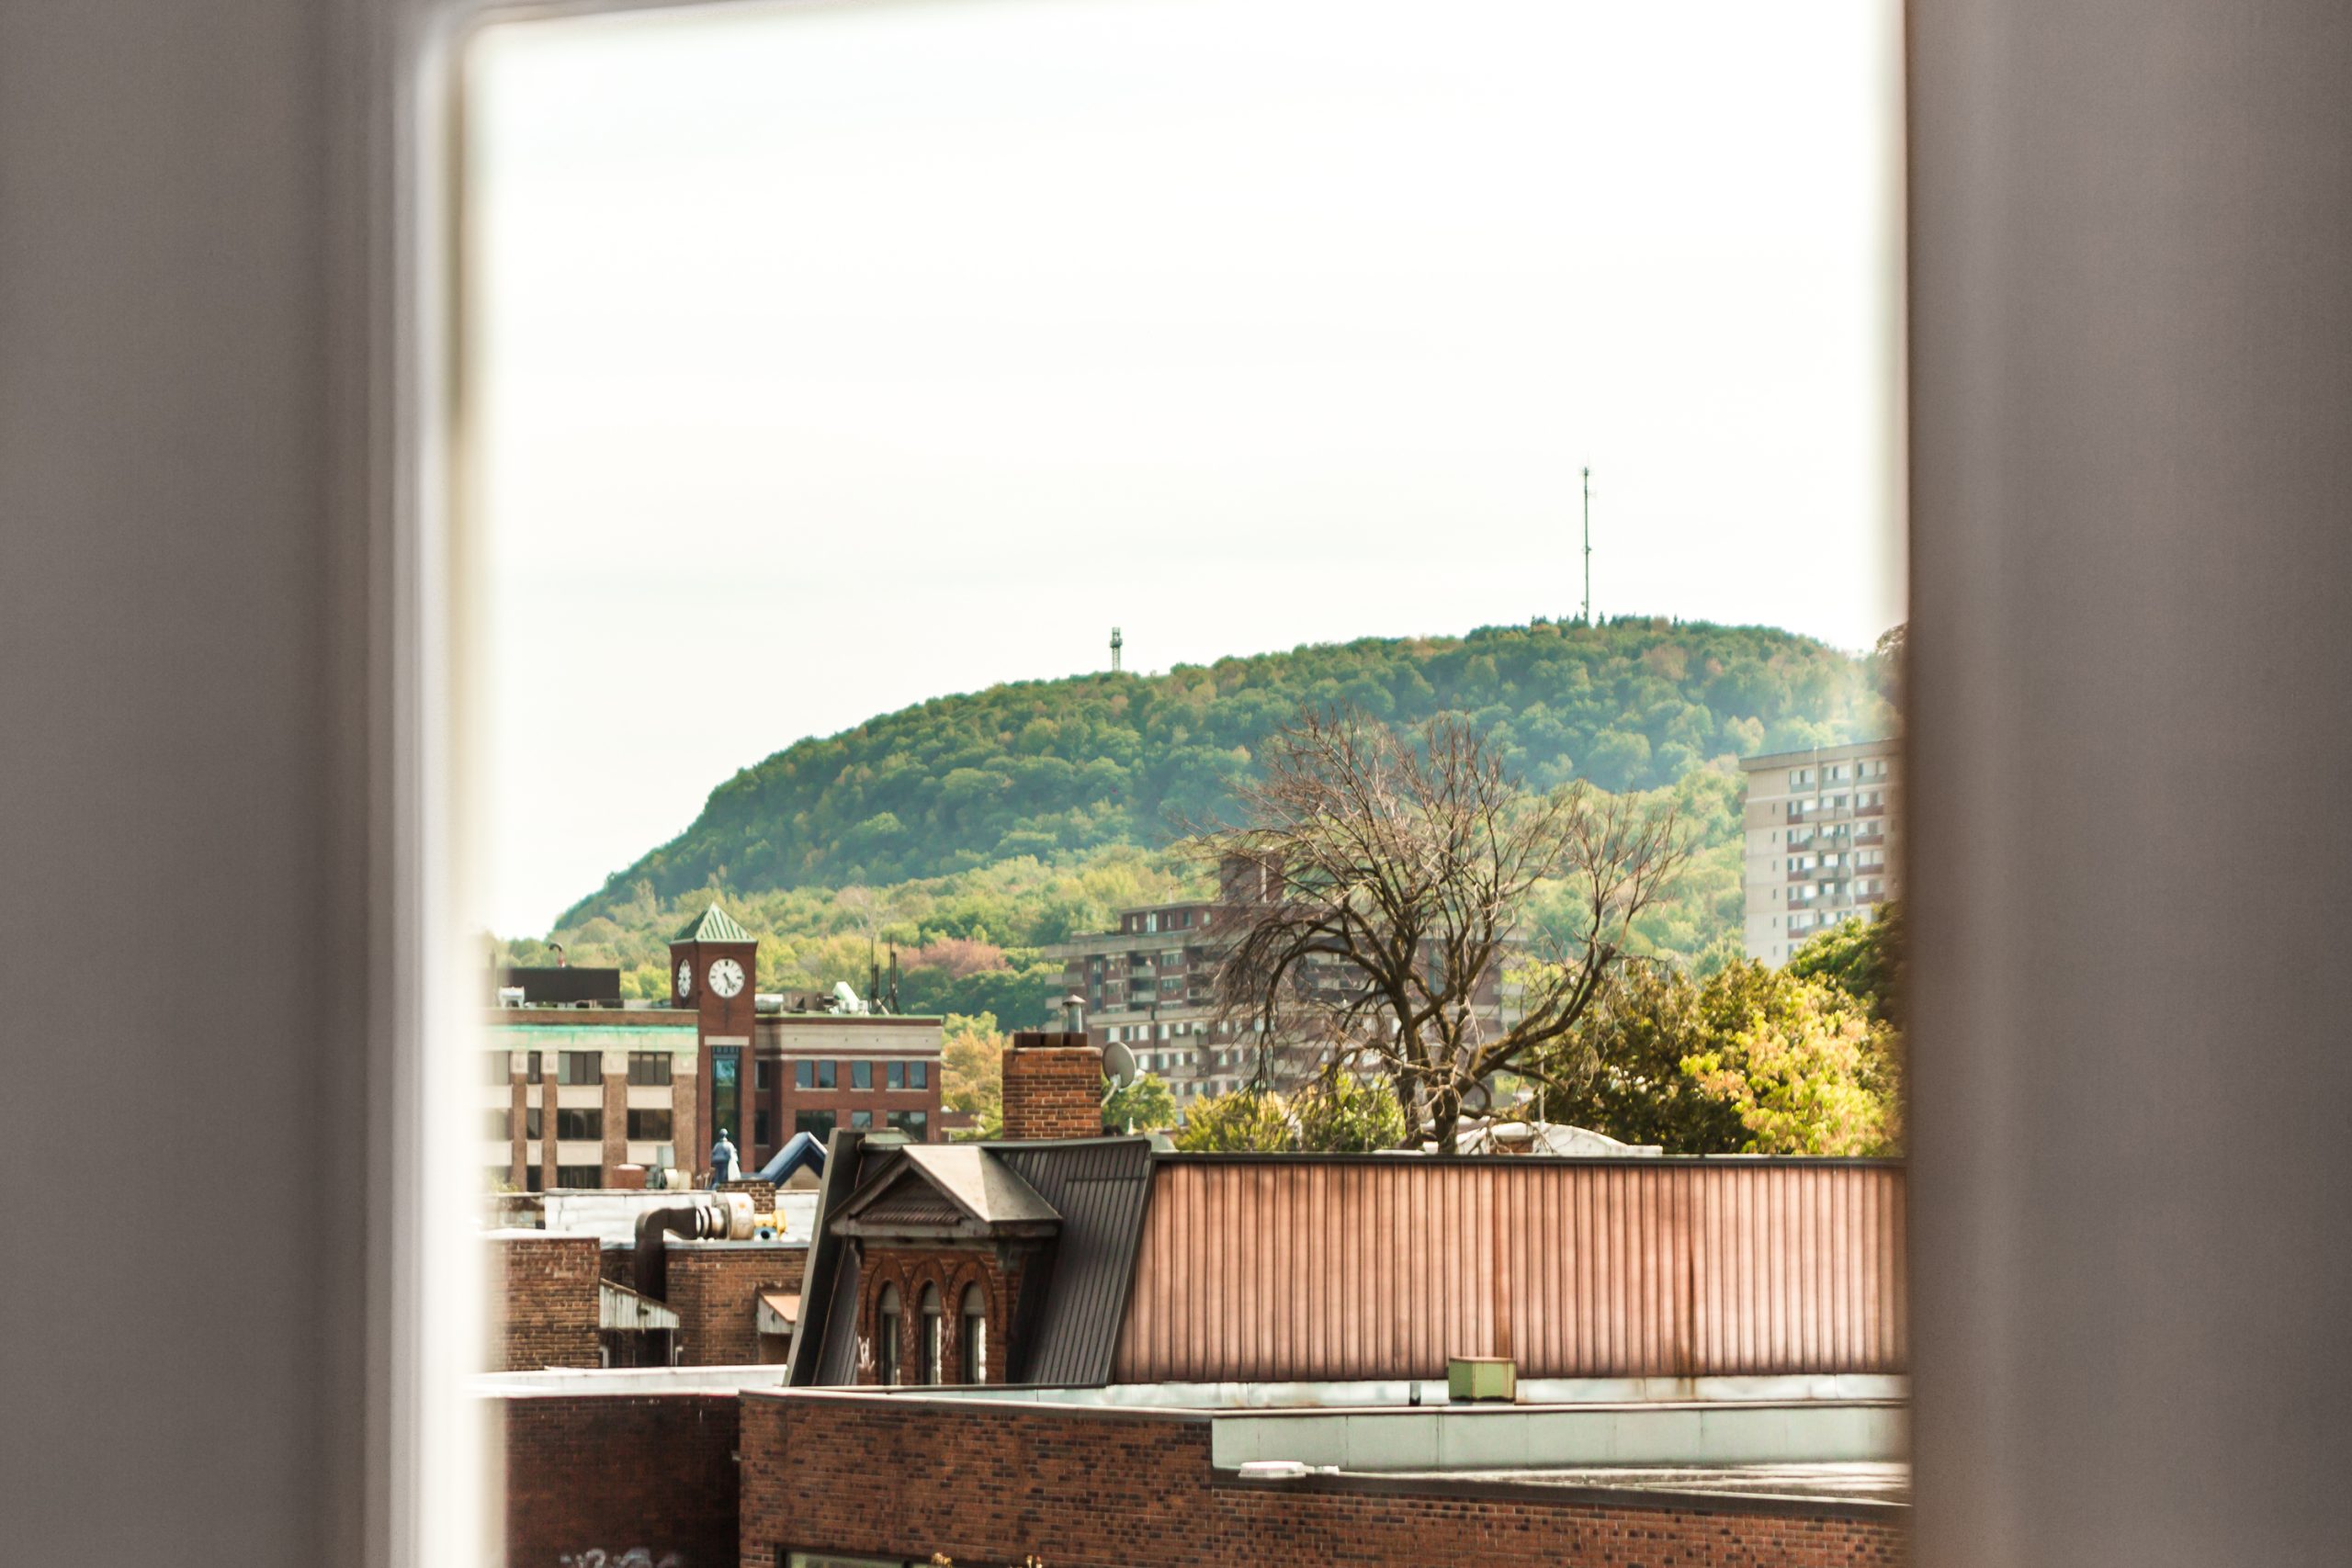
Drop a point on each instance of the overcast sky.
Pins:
(831, 356)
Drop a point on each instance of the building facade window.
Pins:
(861, 1075)
(861, 1120)
(886, 1337)
(934, 1334)
(915, 1124)
(531, 1122)
(650, 1069)
(578, 1124)
(764, 1073)
(649, 1125)
(580, 1067)
(581, 1178)
(760, 1128)
(817, 1125)
(972, 1344)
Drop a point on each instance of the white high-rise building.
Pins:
(1823, 830)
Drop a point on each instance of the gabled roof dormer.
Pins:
(947, 1192)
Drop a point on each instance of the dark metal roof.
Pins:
(1099, 1186)
(837, 1359)
(825, 1337)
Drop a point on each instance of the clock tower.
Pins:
(714, 969)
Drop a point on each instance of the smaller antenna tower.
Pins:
(1117, 642)
(1588, 546)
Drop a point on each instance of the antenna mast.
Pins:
(1117, 642)
(1588, 546)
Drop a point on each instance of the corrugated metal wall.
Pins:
(1336, 1270)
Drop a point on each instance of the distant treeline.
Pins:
(1054, 769)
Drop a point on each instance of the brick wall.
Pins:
(544, 1291)
(1052, 1089)
(714, 1287)
(762, 1193)
(614, 1473)
(618, 1264)
(1095, 1489)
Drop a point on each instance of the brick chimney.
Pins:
(1053, 1086)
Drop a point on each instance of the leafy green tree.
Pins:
(1145, 1105)
(1749, 1059)
(1863, 958)
(1804, 1077)
(1340, 1113)
(1246, 1121)
(971, 1076)
(1622, 1073)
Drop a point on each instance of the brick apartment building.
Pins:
(584, 1090)
(1823, 835)
(1149, 986)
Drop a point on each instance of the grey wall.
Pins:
(2131, 342)
(2131, 557)
(177, 925)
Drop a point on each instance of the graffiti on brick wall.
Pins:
(635, 1557)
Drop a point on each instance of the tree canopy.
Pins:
(1394, 872)
(1746, 1059)
(1044, 769)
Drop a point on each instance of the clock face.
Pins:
(727, 977)
(685, 978)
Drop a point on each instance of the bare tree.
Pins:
(1387, 879)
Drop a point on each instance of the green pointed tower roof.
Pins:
(715, 925)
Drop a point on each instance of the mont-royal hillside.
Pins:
(966, 832)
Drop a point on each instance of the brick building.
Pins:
(586, 1091)
(1149, 986)
(1098, 1261)
(894, 1479)
(568, 1301)
(1103, 1355)
(617, 1468)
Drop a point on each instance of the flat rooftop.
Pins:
(1851, 749)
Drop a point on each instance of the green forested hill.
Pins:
(1053, 769)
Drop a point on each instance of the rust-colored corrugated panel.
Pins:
(1279, 1268)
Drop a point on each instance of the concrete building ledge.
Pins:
(1865, 1492)
(635, 1382)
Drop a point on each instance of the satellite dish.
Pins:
(1118, 1064)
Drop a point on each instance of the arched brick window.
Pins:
(934, 1345)
(972, 1342)
(886, 1337)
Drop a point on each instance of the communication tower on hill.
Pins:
(1117, 642)
(1588, 546)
